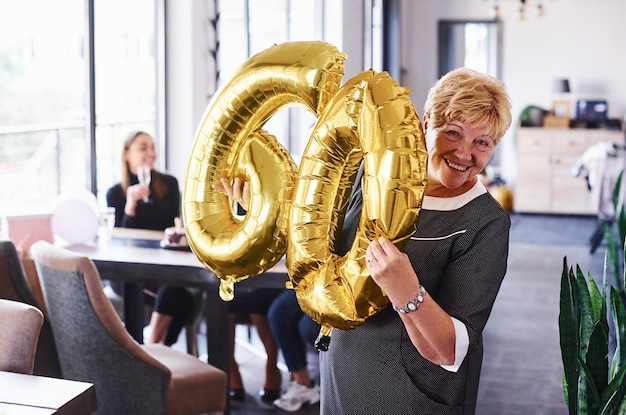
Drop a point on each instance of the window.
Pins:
(248, 27)
(66, 102)
(127, 63)
(46, 145)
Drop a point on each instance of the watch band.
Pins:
(412, 305)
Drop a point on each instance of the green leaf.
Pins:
(619, 320)
(611, 250)
(616, 191)
(621, 224)
(622, 284)
(569, 340)
(585, 311)
(597, 364)
(613, 395)
(598, 302)
(584, 400)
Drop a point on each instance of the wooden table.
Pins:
(135, 257)
(34, 395)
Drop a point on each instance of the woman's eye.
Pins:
(483, 145)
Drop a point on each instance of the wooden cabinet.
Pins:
(545, 160)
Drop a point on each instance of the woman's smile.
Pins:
(456, 166)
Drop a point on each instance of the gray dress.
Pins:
(460, 255)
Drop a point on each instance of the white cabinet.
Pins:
(545, 159)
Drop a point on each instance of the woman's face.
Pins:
(457, 153)
(141, 153)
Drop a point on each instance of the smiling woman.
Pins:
(443, 284)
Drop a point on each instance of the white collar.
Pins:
(455, 202)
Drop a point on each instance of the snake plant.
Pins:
(590, 386)
(613, 247)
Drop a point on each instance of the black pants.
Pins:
(176, 302)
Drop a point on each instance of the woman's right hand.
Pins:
(134, 194)
(239, 190)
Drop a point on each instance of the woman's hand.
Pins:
(391, 269)
(239, 190)
(431, 329)
(134, 194)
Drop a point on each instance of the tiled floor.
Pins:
(522, 368)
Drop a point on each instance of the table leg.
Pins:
(134, 310)
(217, 335)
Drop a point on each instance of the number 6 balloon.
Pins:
(229, 143)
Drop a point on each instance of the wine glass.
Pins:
(144, 176)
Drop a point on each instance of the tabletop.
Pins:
(44, 395)
(136, 248)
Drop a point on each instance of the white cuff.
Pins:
(460, 347)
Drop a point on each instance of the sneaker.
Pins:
(297, 395)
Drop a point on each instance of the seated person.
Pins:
(294, 330)
(255, 304)
(286, 317)
(151, 206)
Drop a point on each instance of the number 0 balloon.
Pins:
(370, 119)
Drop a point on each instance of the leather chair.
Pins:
(20, 324)
(95, 347)
(19, 282)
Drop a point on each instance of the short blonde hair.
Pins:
(469, 96)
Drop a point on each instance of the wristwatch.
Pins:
(412, 305)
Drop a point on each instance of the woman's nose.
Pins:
(464, 150)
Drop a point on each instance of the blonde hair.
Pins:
(469, 96)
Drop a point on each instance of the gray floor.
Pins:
(522, 367)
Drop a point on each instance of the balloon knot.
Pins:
(322, 343)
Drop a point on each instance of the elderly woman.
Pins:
(423, 353)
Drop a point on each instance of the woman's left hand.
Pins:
(238, 191)
(390, 268)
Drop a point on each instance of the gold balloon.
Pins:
(371, 118)
(229, 143)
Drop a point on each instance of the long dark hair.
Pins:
(157, 183)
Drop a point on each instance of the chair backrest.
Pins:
(20, 324)
(15, 285)
(93, 344)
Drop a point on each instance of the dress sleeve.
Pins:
(474, 274)
(460, 347)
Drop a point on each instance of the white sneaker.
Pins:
(297, 395)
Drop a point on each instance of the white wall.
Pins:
(189, 77)
(577, 39)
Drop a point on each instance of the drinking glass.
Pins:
(107, 223)
(144, 176)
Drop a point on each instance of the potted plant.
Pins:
(592, 328)
(590, 385)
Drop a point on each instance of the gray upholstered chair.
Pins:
(20, 324)
(95, 347)
(19, 282)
